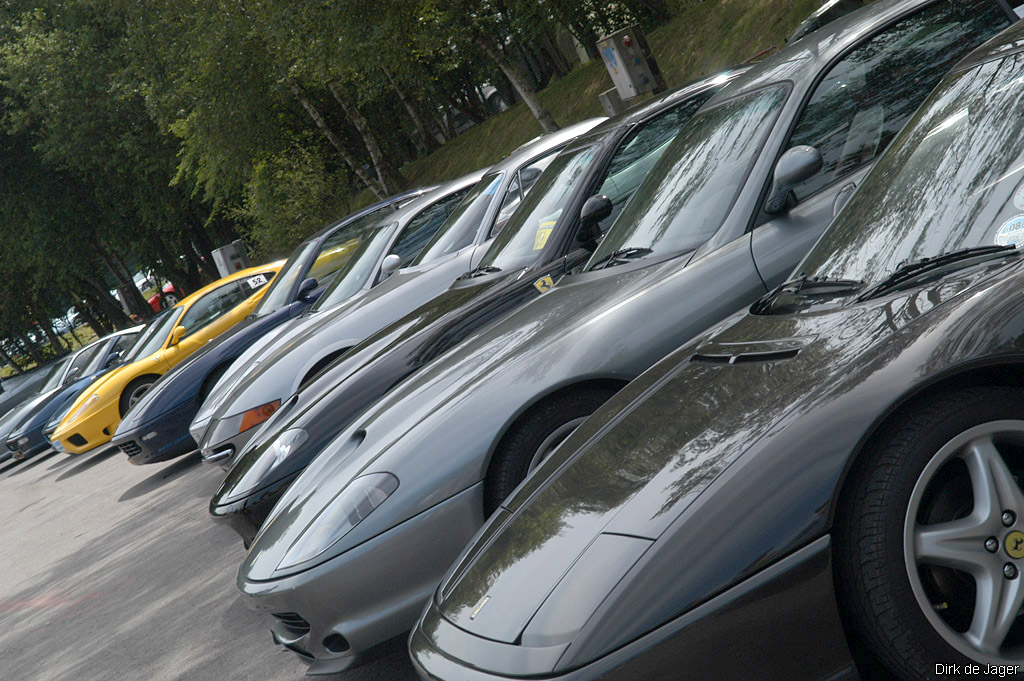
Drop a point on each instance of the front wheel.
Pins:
(930, 537)
(532, 439)
(134, 392)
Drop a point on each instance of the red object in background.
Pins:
(168, 297)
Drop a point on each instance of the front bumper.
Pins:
(246, 516)
(162, 438)
(36, 444)
(782, 623)
(93, 431)
(350, 604)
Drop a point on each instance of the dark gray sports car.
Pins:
(361, 538)
(831, 478)
(546, 237)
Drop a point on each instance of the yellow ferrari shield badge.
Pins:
(544, 284)
(1014, 545)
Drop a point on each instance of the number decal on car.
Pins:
(257, 281)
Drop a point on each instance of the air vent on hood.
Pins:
(744, 357)
(717, 352)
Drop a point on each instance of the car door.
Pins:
(856, 108)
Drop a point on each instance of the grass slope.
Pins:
(706, 37)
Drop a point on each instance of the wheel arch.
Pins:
(322, 363)
(212, 377)
(613, 382)
(1006, 370)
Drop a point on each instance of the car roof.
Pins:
(416, 205)
(391, 200)
(1005, 43)
(542, 144)
(802, 61)
(234, 276)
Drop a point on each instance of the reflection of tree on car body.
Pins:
(726, 213)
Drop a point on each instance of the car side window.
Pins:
(641, 150)
(518, 188)
(422, 227)
(339, 247)
(211, 306)
(866, 98)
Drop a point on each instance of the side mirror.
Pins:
(390, 263)
(305, 288)
(795, 166)
(594, 210)
(177, 334)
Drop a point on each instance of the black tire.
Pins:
(522, 442)
(168, 300)
(872, 575)
(133, 391)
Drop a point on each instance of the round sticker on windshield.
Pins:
(1018, 197)
(1012, 232)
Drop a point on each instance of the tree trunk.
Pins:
(87, 310)
(428, 140)
(129, 291)
(388, 176)
(10, 361)
(519, 82)
(31, 349)
(107, 304)
(55, 343)
(350, 161)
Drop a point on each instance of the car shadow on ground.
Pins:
(33, 462)
(88, 463)
(8, 465)
(163, 476)
(150, 596)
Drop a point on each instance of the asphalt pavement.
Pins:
(112, 572)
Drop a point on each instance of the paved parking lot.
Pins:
(113, 572)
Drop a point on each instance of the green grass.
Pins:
(706, 37)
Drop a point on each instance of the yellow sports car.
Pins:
(168, 339)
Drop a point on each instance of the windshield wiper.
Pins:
(480, 271)
(805, 287)
(909, 270)
(620, 256)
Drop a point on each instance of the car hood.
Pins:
(44, 409)
(12, 419)
(184, 381)
(329, 403)
(435, 390)
(283, 365)
(617, 485)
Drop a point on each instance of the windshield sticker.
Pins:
(1012, 232)
(257, 281)
(543, 232)
(1018, 198)
(544, 284)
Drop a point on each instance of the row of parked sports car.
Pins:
(742, 364)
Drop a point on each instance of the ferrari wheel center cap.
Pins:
(1013, 544)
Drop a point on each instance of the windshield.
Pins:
(358, 269)
(334, 253)
(690, 190)
(53, 377)
(953, 179)
(526, 235)
(84, 359)
(153, 336)
(460, 229)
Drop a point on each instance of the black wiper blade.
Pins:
(620, 256)
(908, 270)
(806, 287)
(480, 271)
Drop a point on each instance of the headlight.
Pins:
(352, 505)
(279, 450)
(22, 441)
(257, 415)
(93, 399)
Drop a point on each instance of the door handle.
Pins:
(842, 196)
